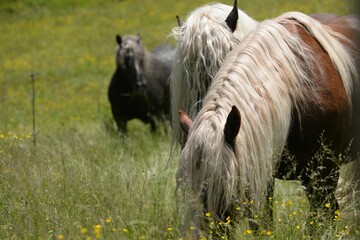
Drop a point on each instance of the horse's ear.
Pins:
(233, 17)
(179, 21)
(232, 126)
(118, 39)
(185, 121)
(138, 39)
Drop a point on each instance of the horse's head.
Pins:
(205, 158)
(130, 56)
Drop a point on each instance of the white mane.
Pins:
(265, 80)
(203, 42)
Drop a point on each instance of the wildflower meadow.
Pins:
(64, 171)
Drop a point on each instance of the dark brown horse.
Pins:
(285, 101)
(139, 87)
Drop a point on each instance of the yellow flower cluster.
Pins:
(13, 136)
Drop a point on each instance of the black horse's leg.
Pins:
(121, 126)
(120, 121)
(153, 122)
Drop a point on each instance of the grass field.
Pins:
(79, 180)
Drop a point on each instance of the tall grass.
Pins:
(81, 180)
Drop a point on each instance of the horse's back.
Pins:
(324, 17)
(165, 53)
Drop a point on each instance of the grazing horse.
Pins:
(209, 33)
(139, 87)
(289, 84)
(203, 41)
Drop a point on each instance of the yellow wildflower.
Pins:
(208, 214)
(60, 237)
(327, 205)
(97, 231)
(248, 231)
(84, 230)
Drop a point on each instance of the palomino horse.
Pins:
(203, 41)
(289, 84)
(139, 87)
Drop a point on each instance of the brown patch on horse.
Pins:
(349, 27)
(331, 116)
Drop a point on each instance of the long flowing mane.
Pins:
(203, 42)
(267, 76)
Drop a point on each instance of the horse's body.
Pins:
(203, 41)
(349, 184)
(139, 87)
(284, 86)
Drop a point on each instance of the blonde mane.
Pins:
(264, 78)
(203, 42)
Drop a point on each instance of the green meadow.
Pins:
(64, 171)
